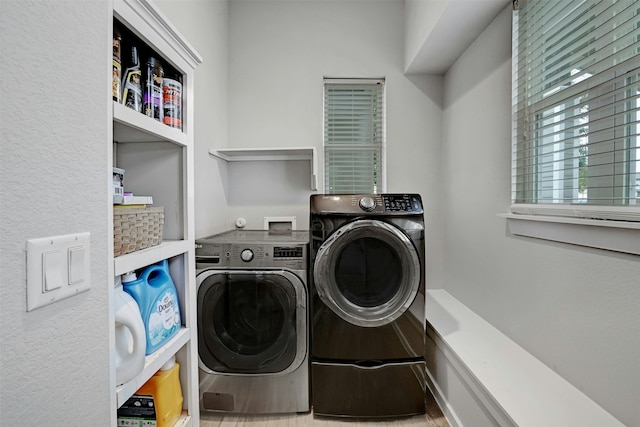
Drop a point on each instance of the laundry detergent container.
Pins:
(130, 343)
(165, 388)
(156, 295)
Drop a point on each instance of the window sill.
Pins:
(618, 236)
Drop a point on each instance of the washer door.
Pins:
(251, 322)
(367, 272)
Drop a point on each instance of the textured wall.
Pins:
(54, 361)
(575, 309)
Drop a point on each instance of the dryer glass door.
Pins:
(367, 272)
(250, 322)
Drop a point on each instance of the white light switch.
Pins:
(76, 265)
(53, 269)
(57, 268)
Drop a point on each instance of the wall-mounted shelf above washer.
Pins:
(268, 154)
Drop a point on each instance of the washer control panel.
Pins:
(252, 255)
(288, 252)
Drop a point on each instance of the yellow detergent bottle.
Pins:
(165, 388)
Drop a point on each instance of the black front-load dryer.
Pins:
(367, 260)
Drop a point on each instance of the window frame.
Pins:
(609, 227)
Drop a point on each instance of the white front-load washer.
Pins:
(253, 343)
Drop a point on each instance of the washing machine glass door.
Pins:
(367, 272)
(251, 322)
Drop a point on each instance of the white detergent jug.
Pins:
(131, 339)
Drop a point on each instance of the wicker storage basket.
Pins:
(136, 228)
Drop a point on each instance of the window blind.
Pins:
(576, 108)
(354, 134)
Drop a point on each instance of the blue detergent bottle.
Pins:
(156, 295)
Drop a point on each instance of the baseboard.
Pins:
(480, 377)
(442, 402)
(467, 401)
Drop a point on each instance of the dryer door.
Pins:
(367, 272)
(251, 322)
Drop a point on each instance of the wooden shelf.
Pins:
(132, 126)
(138, 259)
(152, 364)
(183, 421)
(271, 154)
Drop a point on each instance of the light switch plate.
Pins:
(57, 268)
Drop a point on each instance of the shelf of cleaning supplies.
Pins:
(159, 161)
(271, 154)
(152, 363)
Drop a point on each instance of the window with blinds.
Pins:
(354, 136)
(576, 108)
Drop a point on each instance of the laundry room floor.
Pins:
(433, 418)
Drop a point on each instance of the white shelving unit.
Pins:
(158, 161)
(270, 154)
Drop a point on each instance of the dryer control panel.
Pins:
(402, 203)
(369, 204)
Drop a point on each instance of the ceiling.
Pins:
(460, 23)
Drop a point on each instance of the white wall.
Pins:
(204, 23)
(54, 361)
(269, 189)
(274, 99)
(576, 309)
(279, 53)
